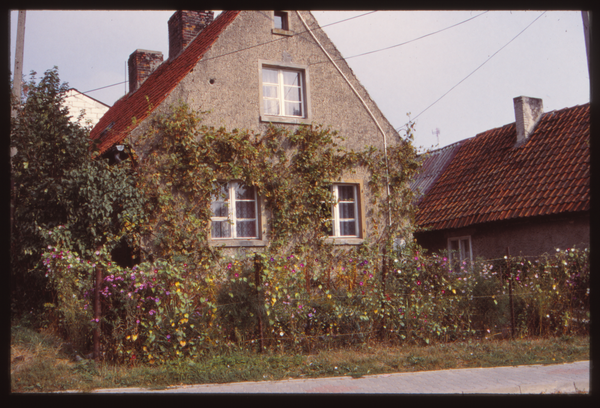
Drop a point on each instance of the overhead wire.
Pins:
(257, 45)
(328, 25)
(476, 69)
(409, 41)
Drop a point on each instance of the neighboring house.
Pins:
(92, 109)
(250, 69)
(525, 186)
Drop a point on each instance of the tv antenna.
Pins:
(436, 132)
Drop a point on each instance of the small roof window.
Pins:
(280, 20)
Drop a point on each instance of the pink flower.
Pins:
(360, 283)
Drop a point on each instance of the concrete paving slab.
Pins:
(532, 379)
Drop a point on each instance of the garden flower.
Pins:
(360, 283)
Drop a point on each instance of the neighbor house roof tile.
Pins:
(488, 179)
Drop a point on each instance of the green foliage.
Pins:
(181, 162)
(160, 311)
(56, 182)
(300, 292)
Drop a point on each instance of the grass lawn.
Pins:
(38, 363)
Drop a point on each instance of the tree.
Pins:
(58, 183)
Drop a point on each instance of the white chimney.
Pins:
(528, 112)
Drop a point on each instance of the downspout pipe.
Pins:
(367, 109)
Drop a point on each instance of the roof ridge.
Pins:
(158, 85)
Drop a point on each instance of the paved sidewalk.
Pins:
(533, 379)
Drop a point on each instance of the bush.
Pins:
(161, 310)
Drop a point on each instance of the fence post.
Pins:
(382, 321)
(258, 297)
(97, 313)
(510, 296)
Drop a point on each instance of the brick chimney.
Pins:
(184, 26)
(528, 112)
(141, 64)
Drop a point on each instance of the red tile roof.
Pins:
(489, 179)
(434, 166)
(157, 86)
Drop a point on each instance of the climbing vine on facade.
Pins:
(181, 162)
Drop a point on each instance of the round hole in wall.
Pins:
(211, 81)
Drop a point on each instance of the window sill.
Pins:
(279, 31)
(284, 119)
(345, 241)
(233, 243)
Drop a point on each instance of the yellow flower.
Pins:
(182, 343)
(176, 283)
(134, 337)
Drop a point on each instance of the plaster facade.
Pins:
(76, 102)
(226, 83)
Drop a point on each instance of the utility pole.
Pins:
(18, 73)
(586, 33)
(17, 82)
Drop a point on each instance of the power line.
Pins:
(257, 45)
(409, 41)
(485, 62)
(107, 86)
(327, 25)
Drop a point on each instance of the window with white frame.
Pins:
(283, 92)
(460, 250)
(234, 212)
(345, 211)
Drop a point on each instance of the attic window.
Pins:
(284, 93)
(281, 23)
(280, 19)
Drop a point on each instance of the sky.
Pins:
(475, 61)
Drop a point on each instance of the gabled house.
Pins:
(249, 69)
(79, 103)
(524, 186)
